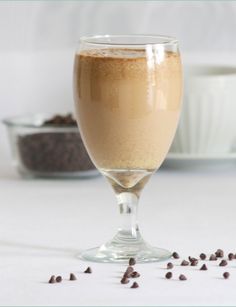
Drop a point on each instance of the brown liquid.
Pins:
(127, 107)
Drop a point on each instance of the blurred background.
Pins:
(38, 40)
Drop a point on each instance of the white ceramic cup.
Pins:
(208, 120)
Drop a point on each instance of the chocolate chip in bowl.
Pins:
(49, 146)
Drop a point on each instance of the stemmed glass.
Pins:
(127, 93)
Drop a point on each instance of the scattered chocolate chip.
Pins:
(219, 253)
(135, 285)
(169, 266)
(88, 270)
(184, 263)
(231, 256)
(134, 275)
(212, 257)
(52, 280)
(226, 275)
(169, 275)
(129, 270)
(132, 261)
(58, 279)
(72, 276)
(202, 256)
(223, 263)
(203, 268)
(194, 263)
(182, 277)
(127, 273)
(124, 280)
(175, 255)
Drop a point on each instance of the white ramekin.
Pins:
(208, 120)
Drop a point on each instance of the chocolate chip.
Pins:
(231, 256)
(202, 256)
(52, 280)
(219, 253)
(124, 280)
(169, 275)
(182, 277)
(169, 266)
(194, 263)
(203, 268)
(126, 275)
(132, 261)
(223, 263)
(134, 275)
(184, 263)
(88, 270)
(226, 275)
(213, 257)
(58, 279)
(129, 270)
(72, 276)
(175, 255)
(134, 285)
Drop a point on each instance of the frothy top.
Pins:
(136, 64)
(121, 53)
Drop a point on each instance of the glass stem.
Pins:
(128, 205)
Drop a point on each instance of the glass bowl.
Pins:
(47, 150)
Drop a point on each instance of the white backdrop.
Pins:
(38, 39)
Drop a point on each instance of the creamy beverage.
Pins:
(128, 104)
(127, 91)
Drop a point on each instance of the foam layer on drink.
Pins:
(114, 53)
(127, 104)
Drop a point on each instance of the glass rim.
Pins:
(101, 40)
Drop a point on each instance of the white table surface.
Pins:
(44, 223)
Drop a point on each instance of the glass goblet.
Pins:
(127, 93)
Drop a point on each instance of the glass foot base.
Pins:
(116, 254)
